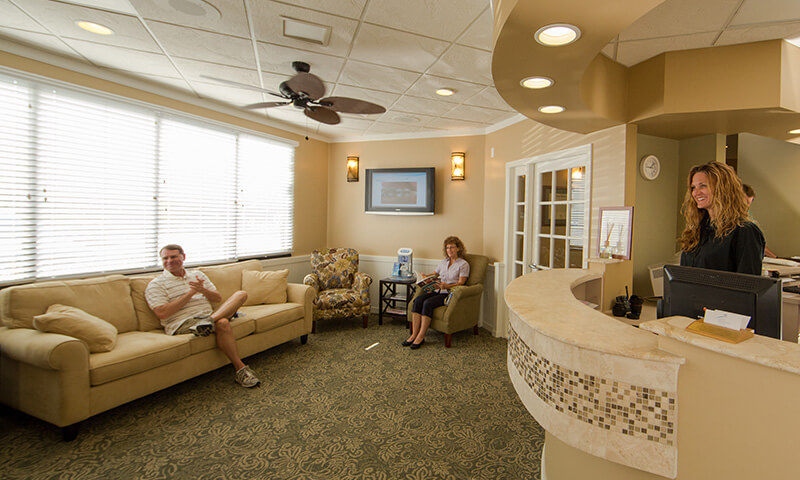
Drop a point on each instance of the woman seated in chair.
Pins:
(453, 271)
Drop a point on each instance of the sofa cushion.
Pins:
(146, 318)
(265, 287)
(267, 317)
(241, 328)
(106, 297)
(228, 278)
(99, 335)
(136, 352)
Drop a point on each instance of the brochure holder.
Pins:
(720, 333)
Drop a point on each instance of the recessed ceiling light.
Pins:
(552, 109)
(445, 92)
(796, 131)
(94, 27)
(196, 8)
(310, 32)
(536, 82)
(557, 34)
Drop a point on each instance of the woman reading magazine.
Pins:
(451, 272)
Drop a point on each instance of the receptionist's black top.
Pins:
(739, 251)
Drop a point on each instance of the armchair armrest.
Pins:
(312, 280)
(45, 350)
(361, 284)
(465, 291)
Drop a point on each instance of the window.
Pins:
(92, 184)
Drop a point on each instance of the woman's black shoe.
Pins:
(415, 346)
(406, 343)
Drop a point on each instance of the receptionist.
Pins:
(719, 232)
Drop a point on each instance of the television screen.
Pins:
(400, 191)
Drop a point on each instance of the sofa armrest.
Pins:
(45, 350)
(304, 295)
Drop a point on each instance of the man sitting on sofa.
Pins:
(182, 301)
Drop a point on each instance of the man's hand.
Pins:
(197, 285)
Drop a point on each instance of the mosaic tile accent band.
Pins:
(641, 412)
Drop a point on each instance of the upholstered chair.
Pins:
(342, 291)
(463, 310)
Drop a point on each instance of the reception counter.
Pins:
(619, 402)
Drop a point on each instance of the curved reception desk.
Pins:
(620, 402)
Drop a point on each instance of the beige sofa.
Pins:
(55, 378)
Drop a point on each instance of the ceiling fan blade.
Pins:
(266, 104)
(322, 114)
(242, 85)
(309, 83)
(351, 105)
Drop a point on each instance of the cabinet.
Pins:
(393, 302)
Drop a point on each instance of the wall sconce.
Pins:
(352, 169)
(457, 160)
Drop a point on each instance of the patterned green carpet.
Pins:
(326, 410)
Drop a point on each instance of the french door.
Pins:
(548, 205)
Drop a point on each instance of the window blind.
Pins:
(92, 184)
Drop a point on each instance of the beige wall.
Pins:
(696, 151)
(459, 204)
(310, 157)
(655, 211)
(772, 168)
(528, 139)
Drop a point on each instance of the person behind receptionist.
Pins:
(719, 232)
(453, 271)
(751, 195)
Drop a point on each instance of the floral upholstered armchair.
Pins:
(342, 291)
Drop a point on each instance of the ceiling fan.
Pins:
(304, 91)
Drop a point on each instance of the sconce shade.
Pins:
(458, 165)
(352, 169)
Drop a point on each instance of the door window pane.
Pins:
(519, 247)
(575, 256)
(544, 251)
(520, 218)
(561, 219)
(562, 177)
(547, 187)
(559, 252)
(577, 183)
(544, 222)
(521, 188)
(576, 220)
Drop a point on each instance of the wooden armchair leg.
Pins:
(313, 326)
(475, 329)
(365, 321)
(447, 338)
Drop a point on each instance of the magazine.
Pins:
(427, 283)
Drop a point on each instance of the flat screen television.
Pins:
(687, 290)
(400, 191)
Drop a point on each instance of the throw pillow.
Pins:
(98, 334)
(265, 287)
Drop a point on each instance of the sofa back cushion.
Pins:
(106, 297)
(228, 278)
(147, 319)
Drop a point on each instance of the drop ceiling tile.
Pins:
(60, 18)
(413, 119)
(377, 77)
(199, 45)
(408, 51)
(194, 70)
(479, 34)
(410, 104)
(278, 59)
(489, 98)
(41, 41)
(681, 17)
(13, 17)
(119, 6)
(450, 124)
(477, 114)
(344, 8)
(766, 11)
(268, 24)
(465, 63)
(428, 84)
(237, 97)
(134, 61)
(631, 53)
(224, 16)
(339, 131)
(383, 99)
(351, 121)
(390, 128)
(754, 33)
(176, 83)
(424, 17)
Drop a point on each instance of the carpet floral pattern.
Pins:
(326, 410)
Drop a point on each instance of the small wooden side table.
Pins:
(392, 302)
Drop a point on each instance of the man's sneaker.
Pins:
(202, 329)
(246, 378)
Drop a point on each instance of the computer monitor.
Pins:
(687, 290)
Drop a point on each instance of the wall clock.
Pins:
(650, 167)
